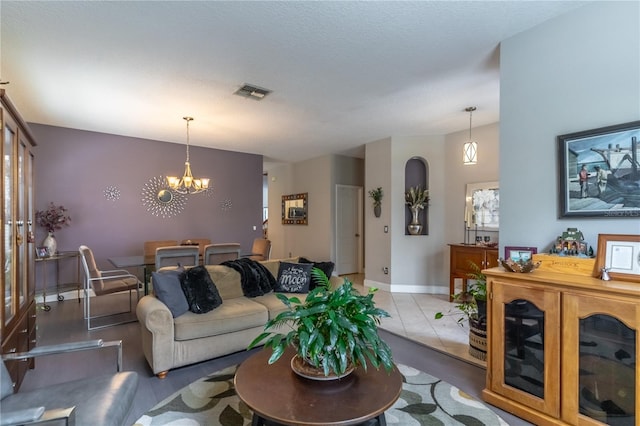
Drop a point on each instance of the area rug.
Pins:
(425, 400)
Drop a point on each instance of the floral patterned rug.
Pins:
(425, 400)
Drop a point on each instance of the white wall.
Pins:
(318, 178)
(417, 260)
(377, 242)
(458, 175)
(577, 72)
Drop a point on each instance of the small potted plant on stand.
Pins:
(333, 331)
(376, 195)
(473, 306)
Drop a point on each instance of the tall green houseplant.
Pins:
(333, 329)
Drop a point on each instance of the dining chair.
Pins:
(174, 255)
(151, 246)
(105, 282)
(260, 250)
(200, 242)
(215, 254)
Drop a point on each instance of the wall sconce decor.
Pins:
(470, 148)
(160, 200)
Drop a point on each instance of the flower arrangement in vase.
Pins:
(416, 198)
(53, 218)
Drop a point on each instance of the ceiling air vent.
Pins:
(252, 92)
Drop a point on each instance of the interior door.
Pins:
(348, 229)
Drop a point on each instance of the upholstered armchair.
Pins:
(104, 282)
(98, 400)
(260, 250)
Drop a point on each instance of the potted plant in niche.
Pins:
(416, 198)
(333, 331)
(53, 218)
(473, 306)
(376, 195)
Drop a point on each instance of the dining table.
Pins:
(145, 262)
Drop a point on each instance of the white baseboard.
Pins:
(396, 288)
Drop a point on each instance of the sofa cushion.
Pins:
(326, 267)
(167, 288)
(293, 277)
(273, 265)
(200, 291)
(275, 305)
(255, 278)
(233, 315)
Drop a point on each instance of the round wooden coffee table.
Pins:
(274, 392)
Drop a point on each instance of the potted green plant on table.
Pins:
(334, 330)
(472, 303)
(376, 195)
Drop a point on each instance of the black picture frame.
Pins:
(612, 179)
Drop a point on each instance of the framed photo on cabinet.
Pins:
(619, 254)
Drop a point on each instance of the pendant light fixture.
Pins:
(188, 184)
(470, 148)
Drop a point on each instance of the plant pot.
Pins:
(377, 210)
(414, 228)
(308, 371)
(478, 338)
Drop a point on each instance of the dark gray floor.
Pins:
(63, 323)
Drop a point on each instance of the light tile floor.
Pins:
(413, 316)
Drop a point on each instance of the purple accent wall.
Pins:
(74, 167)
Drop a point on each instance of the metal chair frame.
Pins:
(105, 276)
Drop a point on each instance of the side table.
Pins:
(56, 258)
(275, 393)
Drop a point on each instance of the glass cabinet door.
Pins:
(525, 365)
(600, 356)
(8, 219)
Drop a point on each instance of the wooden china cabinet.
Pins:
(460, 258)
(562, 349)
(18, 312)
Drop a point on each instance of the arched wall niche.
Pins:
(416, 173)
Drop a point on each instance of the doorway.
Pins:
(349, 238)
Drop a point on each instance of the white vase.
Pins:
(50, 243)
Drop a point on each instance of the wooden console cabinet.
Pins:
(562, 349)
(18, 311)
(460, 258)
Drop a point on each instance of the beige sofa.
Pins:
(169, 342)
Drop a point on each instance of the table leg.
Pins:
(382, 421)
(257, 420)
(45, 307)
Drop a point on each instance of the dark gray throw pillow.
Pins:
(167, 288)
(326, 267)
(293, 277)
(200, 290)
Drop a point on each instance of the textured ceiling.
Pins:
(342, 73)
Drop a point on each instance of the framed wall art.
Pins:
(518, 254)
(620, 255)
(599, 172)
(482, 206)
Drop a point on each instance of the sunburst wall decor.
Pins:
(159, 200)
(112, 193)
